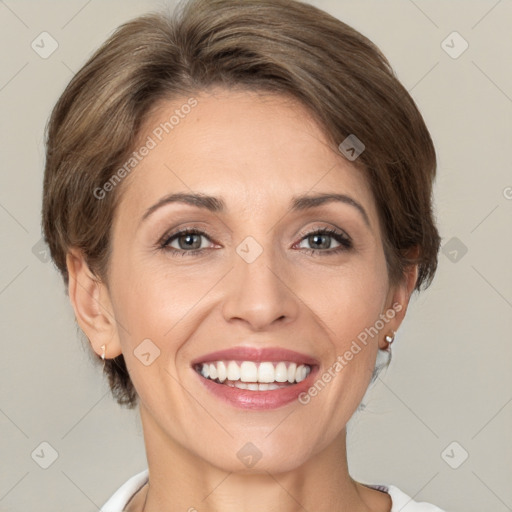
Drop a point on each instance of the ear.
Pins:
(91, 302)
(398, 299)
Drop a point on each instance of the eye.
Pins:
(186, 242)
(321, 241)
(189, 242)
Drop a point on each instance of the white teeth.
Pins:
(301, 373)
(248, 372)
(291, 372)
(254, 386)
(233, 371)
(255, 376)
(221, 371)
(266, 372)
(281, 373)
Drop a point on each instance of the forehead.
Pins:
(255, 150)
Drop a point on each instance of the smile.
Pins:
(254, 376)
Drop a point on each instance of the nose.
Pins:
(260, 293)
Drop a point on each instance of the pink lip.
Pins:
(257, 355)
(262, 400)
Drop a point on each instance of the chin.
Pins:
(252, 458)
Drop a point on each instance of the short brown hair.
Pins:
(282, 46)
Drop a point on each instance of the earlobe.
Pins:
(398, 301)
(92, 306)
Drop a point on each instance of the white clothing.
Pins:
(401, 502)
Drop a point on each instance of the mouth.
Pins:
(251, 378)
(254, 376)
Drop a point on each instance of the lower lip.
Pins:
(262, 400)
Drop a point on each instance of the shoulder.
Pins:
(402, 502)
(125, 493)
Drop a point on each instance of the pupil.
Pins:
(320, 237)
(190, 241)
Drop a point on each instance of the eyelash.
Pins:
(344, 241)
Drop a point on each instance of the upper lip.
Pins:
(244, 353)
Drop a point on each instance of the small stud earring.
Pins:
(103, 355)
(390, 338)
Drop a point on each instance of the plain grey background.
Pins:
(448, 392)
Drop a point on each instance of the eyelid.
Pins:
(312, 230)
(187, 228)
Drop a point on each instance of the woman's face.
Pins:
(254, 277)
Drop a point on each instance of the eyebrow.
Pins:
(217, 205)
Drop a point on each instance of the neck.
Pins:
(179, 480)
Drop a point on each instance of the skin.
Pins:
(255, 151)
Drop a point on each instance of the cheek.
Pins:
(349, 301)
(357, 310)
(155, 304)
